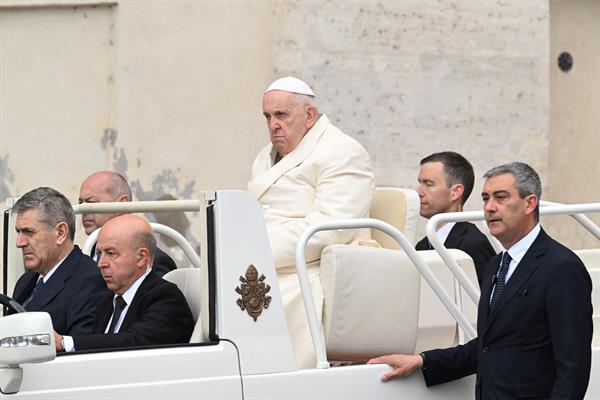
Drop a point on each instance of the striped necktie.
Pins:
(36, 289)
(500, 279)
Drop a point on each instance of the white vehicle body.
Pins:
(233, 356)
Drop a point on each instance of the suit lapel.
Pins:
(56, 283)
(132, 312)
(262, 182)
(526, 267)
(486, 292)
(455, 236)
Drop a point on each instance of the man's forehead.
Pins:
(502, 182)
(30, 216)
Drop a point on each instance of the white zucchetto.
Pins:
(292, 85)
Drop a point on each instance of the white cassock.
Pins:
(327, 176)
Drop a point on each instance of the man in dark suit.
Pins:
(142, 308)
(108, 186)
(60, 279)
(445, 183)
(534, 320)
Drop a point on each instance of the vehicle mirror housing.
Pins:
(26, 338)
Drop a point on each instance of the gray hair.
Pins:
(527, 181)
(305, 100)
(53, 206)
(147, 240)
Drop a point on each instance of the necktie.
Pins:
(36, 289)
(119, 307)
(500, 279)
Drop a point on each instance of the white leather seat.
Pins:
(188, 280)
(399, 208)
(371, 302)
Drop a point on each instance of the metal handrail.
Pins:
(137, 206)
(425, 271)
(547, 208)
(157, 228)
(583, 219)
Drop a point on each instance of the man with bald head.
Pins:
(311, 171)
(106, 187)
(142, 308)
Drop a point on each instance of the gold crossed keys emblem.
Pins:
(254, 293)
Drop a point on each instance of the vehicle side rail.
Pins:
(425, 271)
(574, 210)
(157, 228)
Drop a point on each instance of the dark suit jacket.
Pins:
(70, 296)
(536, 343)
(162, 262)
(466, 237)
(158, 314)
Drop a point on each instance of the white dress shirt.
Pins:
(128, 296)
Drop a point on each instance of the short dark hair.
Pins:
(457, 168)
(53, 205)
(527, 181)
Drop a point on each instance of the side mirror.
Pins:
(24, 338)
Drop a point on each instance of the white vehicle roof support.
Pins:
(583, 219)
(138, 206)
(157, 228)
(437, 244)
(547, 208)
(309, 304)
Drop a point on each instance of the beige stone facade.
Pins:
(169, 92)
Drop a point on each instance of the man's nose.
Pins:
(420, 190)
(21, 240)
(273, 124)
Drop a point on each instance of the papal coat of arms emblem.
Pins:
(254, 293)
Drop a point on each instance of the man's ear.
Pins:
(62, 232)
(312, 115)
(143, 258)
(531, 202)
(456, 192)
(123, 197)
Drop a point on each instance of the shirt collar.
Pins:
(518, 250)
(49, 274)
(444, 231)
(130, 293)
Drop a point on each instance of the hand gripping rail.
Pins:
(547, 208)
(309, 304)
(145, 206)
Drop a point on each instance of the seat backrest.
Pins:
(188, 280)
(437, 327)
(371, 302)
(399, 208)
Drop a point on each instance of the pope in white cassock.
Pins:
(311, 171)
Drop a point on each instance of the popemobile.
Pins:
(377, 301)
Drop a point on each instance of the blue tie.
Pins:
(38, 286)
(500, 279)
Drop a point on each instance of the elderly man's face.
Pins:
(39, 243)
(288, 120)
(119, 259)
(95, 189)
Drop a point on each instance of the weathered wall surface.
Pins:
(574, 162)
(169, 93)
(410, 78)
